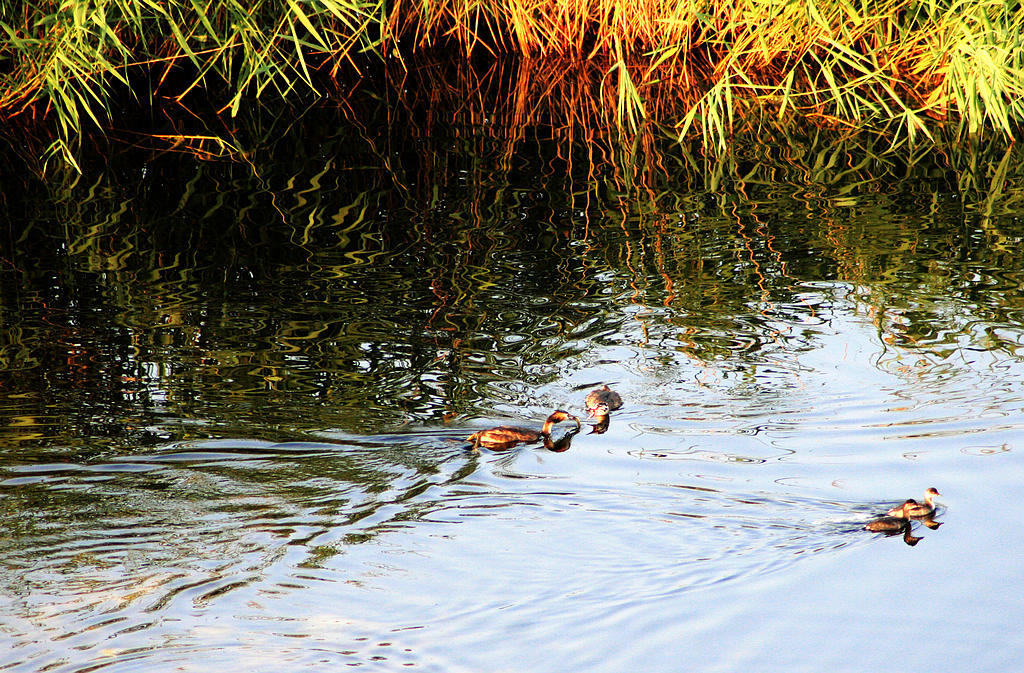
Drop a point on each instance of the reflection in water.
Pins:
(602, 425)
(907, 531)
(231, 402)
(361, 322)
(909, 538)
(563, 443)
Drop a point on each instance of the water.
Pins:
(234, 409)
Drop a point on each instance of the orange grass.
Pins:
(898, 68)
(885, 63)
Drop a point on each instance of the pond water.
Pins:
(234, 406)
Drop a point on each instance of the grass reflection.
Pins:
(434, 266)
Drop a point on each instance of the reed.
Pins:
(73, 59)
(898, 68)
(894, 64)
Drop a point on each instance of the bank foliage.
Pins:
(903, 68)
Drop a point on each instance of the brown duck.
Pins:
(603, 418)
(916, 509)
(602, 396)
(896, 519)
(507, 436)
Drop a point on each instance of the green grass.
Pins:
(69, 60)
(903, 69)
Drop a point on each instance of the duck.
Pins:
(507, 436)
(915, 508)
(887, 524)
(603, 420)
(603, 395)
(895, 520)
(601, 415)
(904, 508)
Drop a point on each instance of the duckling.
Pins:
(895, 520)
(905, 506)
(603, 395)
(507, 436)
(601, 415)
(928, 507)
(887, 524)
(916, 509)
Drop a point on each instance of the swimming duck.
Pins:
(887, 524)
(603, 395)
(904, 508)
(895, 520)
(600, 413)
(915, 508)
(507, 436)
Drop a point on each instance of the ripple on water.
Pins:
(389, 533)
(709, 536)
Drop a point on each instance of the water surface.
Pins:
(233, 413)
